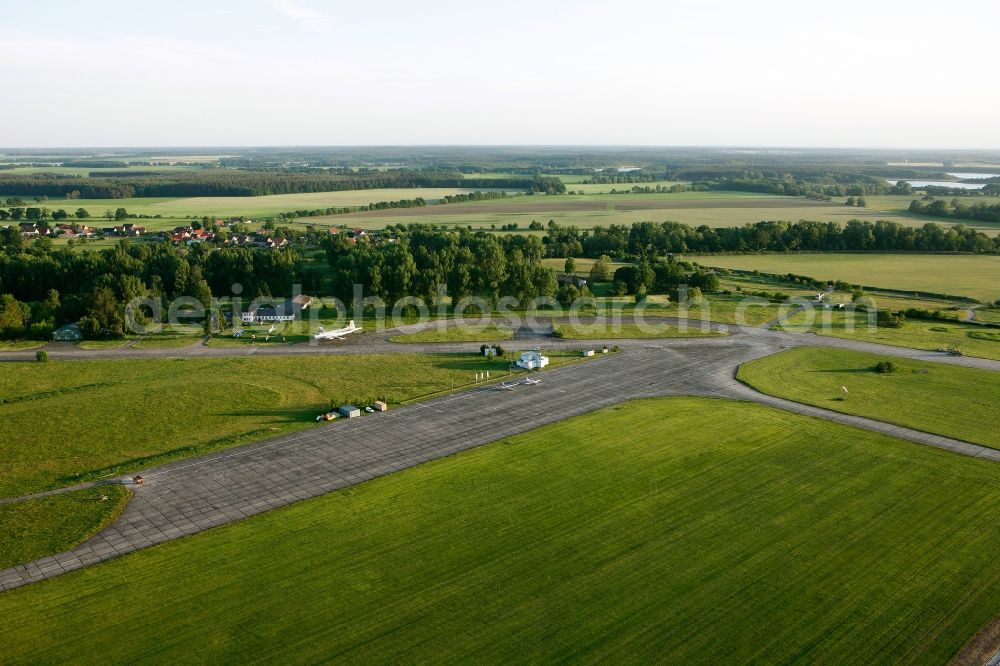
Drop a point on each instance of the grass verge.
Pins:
(944, 399)
(47, 525)
(488, 333)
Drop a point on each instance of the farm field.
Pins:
(262, 206)
(605, 188)
(598, 208)
(103, 418)
(947, 400)
(716, 209)
(48, 525)
(633, 533)
(86, 171)
(972, 339)
(957, 275)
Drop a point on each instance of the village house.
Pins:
(129, 230)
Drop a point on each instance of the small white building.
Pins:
(532, 360)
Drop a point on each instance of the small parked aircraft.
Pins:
(337, 333)
(531, 382)
(504, 386)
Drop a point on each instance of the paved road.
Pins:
(188, 496)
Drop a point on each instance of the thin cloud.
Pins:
(309, 19)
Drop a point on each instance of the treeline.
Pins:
(613, 177)
(648, 238)
(234, 182)
(981, 212)
(422, 259)
(472, 196)
(796, 187)
(96, 164)
(418, 202)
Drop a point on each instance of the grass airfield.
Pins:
(630, 534)
(107, 417)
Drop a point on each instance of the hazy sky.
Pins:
(319, 72)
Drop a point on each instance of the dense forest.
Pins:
(236, 182)
(423, 259)
(45, 287)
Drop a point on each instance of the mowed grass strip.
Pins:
(47, 525)
(944, 399)
(972, 339)
(628, 330)
(69, 421)
(453, 333)
(676, 530)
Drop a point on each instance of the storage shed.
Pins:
(349, 411)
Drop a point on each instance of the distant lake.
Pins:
(940, 183)
(965, 175)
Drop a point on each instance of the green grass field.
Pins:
(634, 534)
(626, 330)
(731, 309)
(63, 422)
(963, 275)
(944, 399)
(19, 345)
(990, 315)
(171, 337)
(48, 525)
(488, 333)
(972, 339)
(86, 171)
(262, 206)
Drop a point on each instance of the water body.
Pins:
(971, 176)
(939, 183)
